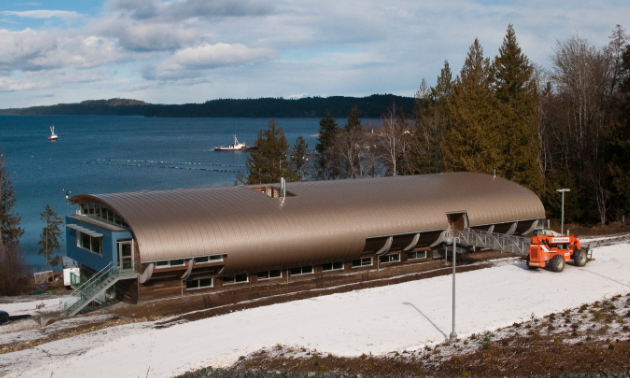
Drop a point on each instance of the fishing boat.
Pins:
(236, 146)
(52, 136)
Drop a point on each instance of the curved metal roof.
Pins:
(323, 221)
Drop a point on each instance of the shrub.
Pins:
(420, 372)
(464, 373)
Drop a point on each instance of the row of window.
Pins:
(91, 243)
(181, 262)
(103, 213)
(296, 271)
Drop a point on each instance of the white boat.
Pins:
(236, 146)
(52, 136)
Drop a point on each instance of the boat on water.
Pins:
(234, 147)
(52, 136)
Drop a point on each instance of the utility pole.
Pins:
(453, 335)
(562, 217)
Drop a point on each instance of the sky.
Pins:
(183, 51)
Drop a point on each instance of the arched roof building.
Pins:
(255, 228)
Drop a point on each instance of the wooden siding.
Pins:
(163, 286)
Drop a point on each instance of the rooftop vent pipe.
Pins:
(283, 187)
(494, 172)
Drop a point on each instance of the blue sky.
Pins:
(180, 51)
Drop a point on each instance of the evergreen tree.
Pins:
(10, 231)
(432, 120)
(298, 158)
(518, 100)
(50, 237)
(472, 141)
(354, 119)
(327, 129)
(268, 163)
(12, 268)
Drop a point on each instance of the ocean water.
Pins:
(107, 154)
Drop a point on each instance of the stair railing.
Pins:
(86, 290)
(494, 240)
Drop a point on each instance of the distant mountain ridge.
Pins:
(309, 107)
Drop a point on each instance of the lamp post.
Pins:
(562, 216)
(453, 335)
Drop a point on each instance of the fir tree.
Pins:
(327, 129)
(10, 231)
(50, 237)
(471, 142)
(432, 120)
(354, 119)
(518, 100)
(268, 163)
(12, 268)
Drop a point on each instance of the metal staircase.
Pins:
(93, 289)
(492, 240)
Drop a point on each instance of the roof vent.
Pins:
(283, 187)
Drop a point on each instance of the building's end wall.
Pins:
(90, 259)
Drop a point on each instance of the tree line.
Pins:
(307, 107)
(567, 127)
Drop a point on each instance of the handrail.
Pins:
(84, 289)
(91, 288)
(494, 240)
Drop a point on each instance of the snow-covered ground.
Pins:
(378, 320)
(30, 308)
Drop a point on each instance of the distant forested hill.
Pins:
(338, 106)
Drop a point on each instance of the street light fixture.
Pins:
(453, 335)
(562, 217)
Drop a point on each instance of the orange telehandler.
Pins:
(552, 250)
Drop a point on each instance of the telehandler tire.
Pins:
(556, 264)
(529, 266)
(579, 257)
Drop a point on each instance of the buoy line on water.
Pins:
(208, 167)
(171, 162)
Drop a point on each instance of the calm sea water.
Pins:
(106, 154)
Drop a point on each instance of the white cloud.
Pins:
(145, 37)
(31, 50)
(193, 61)
(231, 48)
(49, 79)
(43, 14)
(187, 9)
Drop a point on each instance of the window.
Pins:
(300, 270)
(389, 258)
(362, 262)
(416, 255)
(332, 266)
(199, 284)
(239, 278)
(100, 212)
(91, 243)
(208, 259)
(169, 264)
(269, 274)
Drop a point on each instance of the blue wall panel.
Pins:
(88, 258)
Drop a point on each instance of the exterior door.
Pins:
(125, 255)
